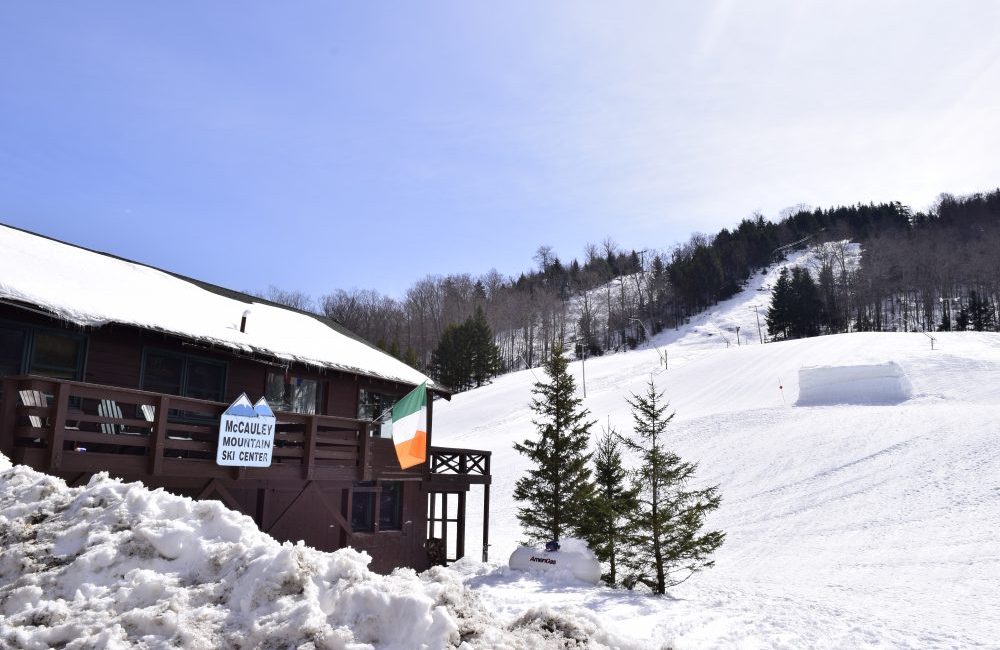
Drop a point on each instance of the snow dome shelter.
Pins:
(112, 365)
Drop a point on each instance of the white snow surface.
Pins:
(876, 383)
(860, 524)
(91, 289)
(849, 525)
(116, 565)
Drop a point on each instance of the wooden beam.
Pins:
(227, 498)
(8, 416)
(460, 541)
(284, 512)
(309, 455)
(57, 426)
(486, 523)
(159, 436)
(366, 453)
(337, 515)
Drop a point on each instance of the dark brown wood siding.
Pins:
(314, 511)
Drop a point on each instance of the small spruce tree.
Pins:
(666, 542)
(557, 489)
(614, 499)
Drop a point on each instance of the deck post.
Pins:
(159, 440)
(366, 452)
(8, 416)
(309, 458)
(57, 426)
(486, 515)
(460, 533)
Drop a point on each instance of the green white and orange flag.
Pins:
(409, 427)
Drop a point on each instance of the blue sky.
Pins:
(322, 145)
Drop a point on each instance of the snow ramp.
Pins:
(878, 383)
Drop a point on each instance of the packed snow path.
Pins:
(848, 525)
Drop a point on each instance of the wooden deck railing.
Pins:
(448, 461)
(69, 426)
(74, 426)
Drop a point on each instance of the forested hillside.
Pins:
(938, 269)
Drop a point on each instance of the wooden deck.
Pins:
(76, 429)
(164, 435)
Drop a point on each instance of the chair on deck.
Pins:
(34, 398)
(108, 408)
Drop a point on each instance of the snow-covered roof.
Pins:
(93, 289)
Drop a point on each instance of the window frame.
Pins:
(391, 399)
(185, 358)
(30, 332)
(372, 492)
(320, 404)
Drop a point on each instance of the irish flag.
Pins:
(409, 427)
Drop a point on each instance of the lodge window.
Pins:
(37, 351)
(12, 347)
(183, 374)
(387, 496)
(372, 405)
(287, 392)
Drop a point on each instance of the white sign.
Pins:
(246, 434)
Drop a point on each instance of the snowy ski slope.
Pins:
(867, 521)
(865, 524)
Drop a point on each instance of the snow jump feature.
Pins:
(876, 384)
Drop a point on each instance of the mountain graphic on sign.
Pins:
(262, 409)
(242, 407)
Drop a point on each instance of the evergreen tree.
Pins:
(466, 354)
(962, 320)
(451, 361)
(485, 362)
(666, 542)
(806, 304)
(779, 319)
(980, 313)
(557, 488)
(614, 499)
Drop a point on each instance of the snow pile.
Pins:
(91, 289)
(880, 383)
(116, 565)
(573, 562)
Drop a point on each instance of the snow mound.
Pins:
(879, 383)
(116, 565)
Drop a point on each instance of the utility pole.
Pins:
(583, 361)
(738, 344)
(663, 356)
(758, 324)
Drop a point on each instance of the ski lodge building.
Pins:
(111, 365)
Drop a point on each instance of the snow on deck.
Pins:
(91, 289)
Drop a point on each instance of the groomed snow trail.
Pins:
(848, 525)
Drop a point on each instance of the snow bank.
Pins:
(116, 565)
(881, 383)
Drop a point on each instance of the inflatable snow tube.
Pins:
(582, 565)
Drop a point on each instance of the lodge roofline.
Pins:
(231, 294)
